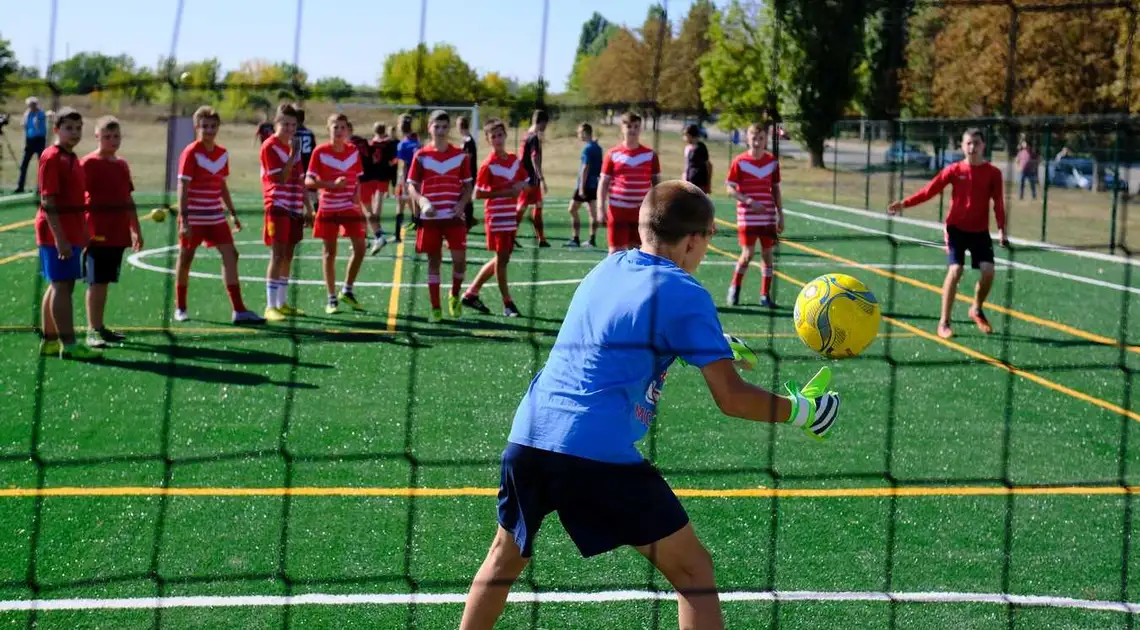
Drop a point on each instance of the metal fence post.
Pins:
(1045, 185)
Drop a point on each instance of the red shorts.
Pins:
(766, 234)
(369, 190)
(208, 235)
(346, 223)
(282, 227)
(432, 233)
(621, 231)
(531, 196)
(503, 241)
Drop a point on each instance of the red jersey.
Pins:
(287, 196)
(497, 174)
(61, 175)
(757, 179)
(440, 176)
(631, 172)
(109, 204)
(974, 187)
(203, 173)
(327, 164)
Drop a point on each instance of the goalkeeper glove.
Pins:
(742, 356)
(813, 407)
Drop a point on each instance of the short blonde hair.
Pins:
(206, 112)
(107, 123)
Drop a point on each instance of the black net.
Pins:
(990, 434)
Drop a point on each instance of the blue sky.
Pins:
(350, 41)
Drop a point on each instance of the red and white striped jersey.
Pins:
(440, 176)
(497, 174)
(202, 173)
(327, 164)
(756, 178)
(631, 172)
(287, 196)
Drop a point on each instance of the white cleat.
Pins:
(378, 245)
(180, 315)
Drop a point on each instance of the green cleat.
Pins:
(350, 299)
(274, 315)
(454, 306)
(436, 315)
(50, 348)
(80, 352)
(289, 311)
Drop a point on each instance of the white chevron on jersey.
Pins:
(281, 153)
(504, 172)
(212, 165)
(632, 160)
(442, 167)
(341, 165)
(759, 172)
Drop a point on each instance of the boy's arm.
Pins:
(998, 197)
(779, 200)
(582, 180)
(926, 194)
(229, 203)
(136, 229)
(183, 196)
(603, 194)
(51, 212)
(740, 399)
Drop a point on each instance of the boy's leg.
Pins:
(685, 562)
(949, 291)
(488, 595)
(981, 292)
(435, 262)
(536, 221)
(767, 270)
(47, 321)
(229, 256)
(328, 266)
(354, 262)
(502, 259)
(61, 310)
(458, 273)
(182, 276)
(273, 274)
(481, 278)
(747, 251)
(595, 220)
(576, 221)
(96, 299)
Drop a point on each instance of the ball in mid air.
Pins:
(158, 215)
(837, 316)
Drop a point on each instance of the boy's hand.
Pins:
(309, 218)
(237, 222)
(136, 241)
(895, 207)
(814, 407)
(184, 229)
(340, 182)
(545, 188)
(63, 247)
(780, 224)
(1003, 240)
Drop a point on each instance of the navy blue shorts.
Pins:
(56, 270)
(979, 244)
(602, 506)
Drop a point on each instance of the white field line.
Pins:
(404, 599)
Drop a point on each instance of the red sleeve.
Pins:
(271, 162)
(49, 175)
(416, 173)
(90, 178)
(607, 165)
(465, 168)
(225, 172)
(315, 163)
(998, 196)
(357, 168)
(933, 188)
(186, 165)
(483, 178)
(656, 164)
(733, 174)
(776, 174)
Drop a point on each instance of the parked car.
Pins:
(1079, 172)
(909, 154)
(945, 157)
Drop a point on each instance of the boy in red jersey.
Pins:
(629, 171)
(334, 170)
(754, 181)
(975, 183)
(530, 152)
(499, 182)
(112, 225)
(287, 209)
(203, 196)
(439, 183)
(61, 234)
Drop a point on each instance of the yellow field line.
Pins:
(397, 273)
(13, 257)
(1025, 317)
(985, 358)
(17, 225)
(704, 493)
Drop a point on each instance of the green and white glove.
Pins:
(742, 356)
(813, 407)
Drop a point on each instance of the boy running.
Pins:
(499, 182)
(754, 181)
(975, 182)
(287, 210)
(380, 155)
(586, 188)
(572, 446)
(530, 152)
(439, 184)
(112, 225)
(203, 199)
(405, 151)
(61, 234)
(629, 171)
(334, 171)
(472, 151)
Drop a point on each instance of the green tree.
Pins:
(132, 86)
(736, 70)
(595, 34)
(333, 89)
(86, 72)
(495, 89)
(680, 75)
(884, 56)
(624, 71)
(9, 68)
(435, 75)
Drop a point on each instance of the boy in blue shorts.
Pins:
(572, 447)
(61, 233)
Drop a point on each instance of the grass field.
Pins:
(351, 461)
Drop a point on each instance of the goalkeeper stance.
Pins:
(572, 448)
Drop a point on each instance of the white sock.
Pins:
(271, 293)
(347, 288)
(282, 292)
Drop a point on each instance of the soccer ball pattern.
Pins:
(837, 316)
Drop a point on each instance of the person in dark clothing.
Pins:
(698, 166)
(471, 150)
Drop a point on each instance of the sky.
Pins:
(350, 41)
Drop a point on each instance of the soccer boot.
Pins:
(454, 306)
(767, 302)
(510, 310)
(274, 315)
(80, 352)
(333, 307)
(378, 245)
(474, 303)
(247, 318)
(289, 311)
(350, 299)
(180, 315)
(944, 330)
(543, 244)
(573, 243)
(50, 348)
(103, 337)
(436, 315)
(733, 297)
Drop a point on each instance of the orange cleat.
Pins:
(980, 319)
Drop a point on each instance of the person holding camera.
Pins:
(35, 137)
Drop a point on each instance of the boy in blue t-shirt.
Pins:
(405, 151)
(572, 447)
(586, 189)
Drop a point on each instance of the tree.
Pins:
(624, 71)
(917, 78)
(132, 86)
(884, 56)
(86, 72)
(332, 88)
(595, 34)
(9, 69)
(680, 87)
(495, 89)
(435, 75)
(735, 72)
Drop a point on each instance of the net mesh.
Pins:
(1069, 238)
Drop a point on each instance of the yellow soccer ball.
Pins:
(837, 316)
(158, 215)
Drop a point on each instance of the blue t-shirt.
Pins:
(592, 159)
(406, 150)
(631, 316)
(35, 126)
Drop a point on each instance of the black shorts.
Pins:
(101, 265)
(591, 195)
(602, 506)
(958, 242)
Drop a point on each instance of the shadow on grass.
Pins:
(200, 373)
